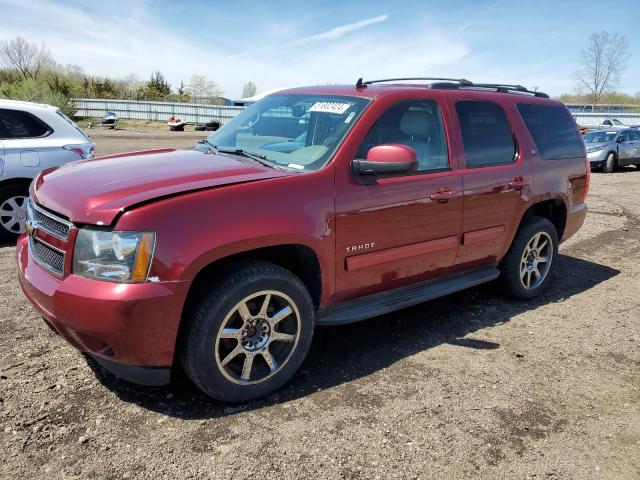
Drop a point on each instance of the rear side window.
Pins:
(634, 135)
(486, 134)
(553, 130)
(19, 124)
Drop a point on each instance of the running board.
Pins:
(384, 302)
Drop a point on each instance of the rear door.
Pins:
(625, 149)
(22, 135)
(405, 229)
(497, 177)
(634, 145)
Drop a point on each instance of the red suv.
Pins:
(315, 206)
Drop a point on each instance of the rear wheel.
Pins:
(527, 266)
(610, 163)
(13, 212)
(249, 334)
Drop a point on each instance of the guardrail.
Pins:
(203, 113)
(155, 111)
(596, 119)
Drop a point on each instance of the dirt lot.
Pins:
(471, 385)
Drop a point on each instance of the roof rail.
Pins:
(363, 84)
(457, 83)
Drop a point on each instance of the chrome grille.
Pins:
(49, 257)
(56, 226)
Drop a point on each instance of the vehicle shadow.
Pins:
(344, 353)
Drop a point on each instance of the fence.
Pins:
(609, 109)
(202, 113)
(596, 119)
(158, 111)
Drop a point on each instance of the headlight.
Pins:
(113, 256)
(596, 149)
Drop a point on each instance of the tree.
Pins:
(134, 86)
(28, 58)
(158, 87)
(601, 64)
(249, 89)
(200, 88)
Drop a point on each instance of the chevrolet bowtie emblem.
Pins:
(29, 229)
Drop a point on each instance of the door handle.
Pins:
(518, 182)
(442, 195)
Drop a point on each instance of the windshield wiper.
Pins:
(211, 146)
(261, 159)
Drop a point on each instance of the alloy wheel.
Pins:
(13, 214)
(536, 260)
(257, 337)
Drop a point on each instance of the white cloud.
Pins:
(343, 30)
(107, 42)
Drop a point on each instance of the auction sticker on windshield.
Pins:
(330, 107)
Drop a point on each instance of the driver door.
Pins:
(397, 231)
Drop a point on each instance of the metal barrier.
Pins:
(203, 113)
(155, 111)
(596, 119)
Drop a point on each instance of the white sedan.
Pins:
(33, 137)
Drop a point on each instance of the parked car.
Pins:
(609, 149)
(223, 259)
(32, 137)
(611, 123)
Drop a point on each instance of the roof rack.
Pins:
(363, 84)
(457, 83)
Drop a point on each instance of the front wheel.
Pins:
(610, 163)
(527, 266)
(249, 334)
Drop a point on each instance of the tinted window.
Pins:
(634, 135)
(416, 124)
(553, 130)
(486, 134)
(18, 124)
(622, 137)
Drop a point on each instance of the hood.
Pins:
(595, 145)
(95, 191)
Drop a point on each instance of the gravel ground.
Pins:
(471, 385)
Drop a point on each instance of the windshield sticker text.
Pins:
(330, 107)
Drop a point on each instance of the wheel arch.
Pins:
(16, 181)
(299, 259)
(554, 210)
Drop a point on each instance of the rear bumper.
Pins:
(575, 218)
(131, 324)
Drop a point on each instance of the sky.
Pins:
(279, 44)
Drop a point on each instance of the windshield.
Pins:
(599, 137)
(615, 122)
(299, 132)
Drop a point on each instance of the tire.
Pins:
(199, 128)
(13, 205)
(212, 125)
(520, 265)
(221, 336)
(610, 163)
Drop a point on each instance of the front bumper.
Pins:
(121, 325)
(597, 159)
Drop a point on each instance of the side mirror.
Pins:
(384, 161)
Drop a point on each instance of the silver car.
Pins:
(32, 137)
(612, 148)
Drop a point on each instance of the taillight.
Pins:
(78, 150)
(588, 181)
